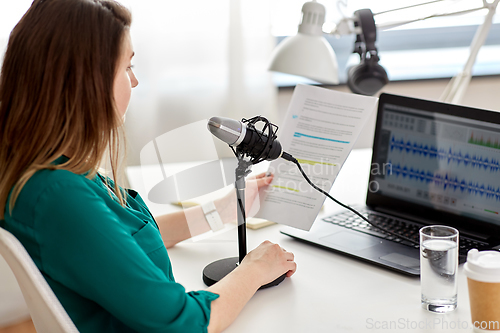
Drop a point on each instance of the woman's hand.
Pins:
(226, 206)
(263, 265)
(268, 262)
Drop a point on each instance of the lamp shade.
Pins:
(308, 56)
(308, 53)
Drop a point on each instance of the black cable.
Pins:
(292, 159)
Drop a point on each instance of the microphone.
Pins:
(247, 139)
(251, 146)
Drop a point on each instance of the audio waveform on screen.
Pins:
(442, 154)
(445, 181)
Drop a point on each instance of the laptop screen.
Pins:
(438, 156)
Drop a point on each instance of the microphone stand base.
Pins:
(215, 271)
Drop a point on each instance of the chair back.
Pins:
(46, 311)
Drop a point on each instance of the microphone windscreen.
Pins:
(226, 129)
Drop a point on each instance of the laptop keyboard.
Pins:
(405, 228)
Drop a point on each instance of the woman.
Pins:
(65, 86)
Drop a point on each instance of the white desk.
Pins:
(329, 292)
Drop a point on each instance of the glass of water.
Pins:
(438, 268)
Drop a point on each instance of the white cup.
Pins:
(483, 279)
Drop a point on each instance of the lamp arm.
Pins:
(346, 25)
(455, 89)
(480, 36)
(407, 7)
(390, 25)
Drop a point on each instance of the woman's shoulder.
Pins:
(61, 185)
(44, 179)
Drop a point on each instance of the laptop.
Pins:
(432, 163)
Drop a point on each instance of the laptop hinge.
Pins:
(468, 233)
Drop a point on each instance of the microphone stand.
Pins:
(242, 171)
(215, 271)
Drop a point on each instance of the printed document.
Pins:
(320, 129)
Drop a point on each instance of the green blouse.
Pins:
(107, 264)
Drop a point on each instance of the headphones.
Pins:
(368, 77)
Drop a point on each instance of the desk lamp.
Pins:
(361, 25)
(308, 53)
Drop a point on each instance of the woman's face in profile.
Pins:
(125, 78)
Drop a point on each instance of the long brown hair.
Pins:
(56, 91)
